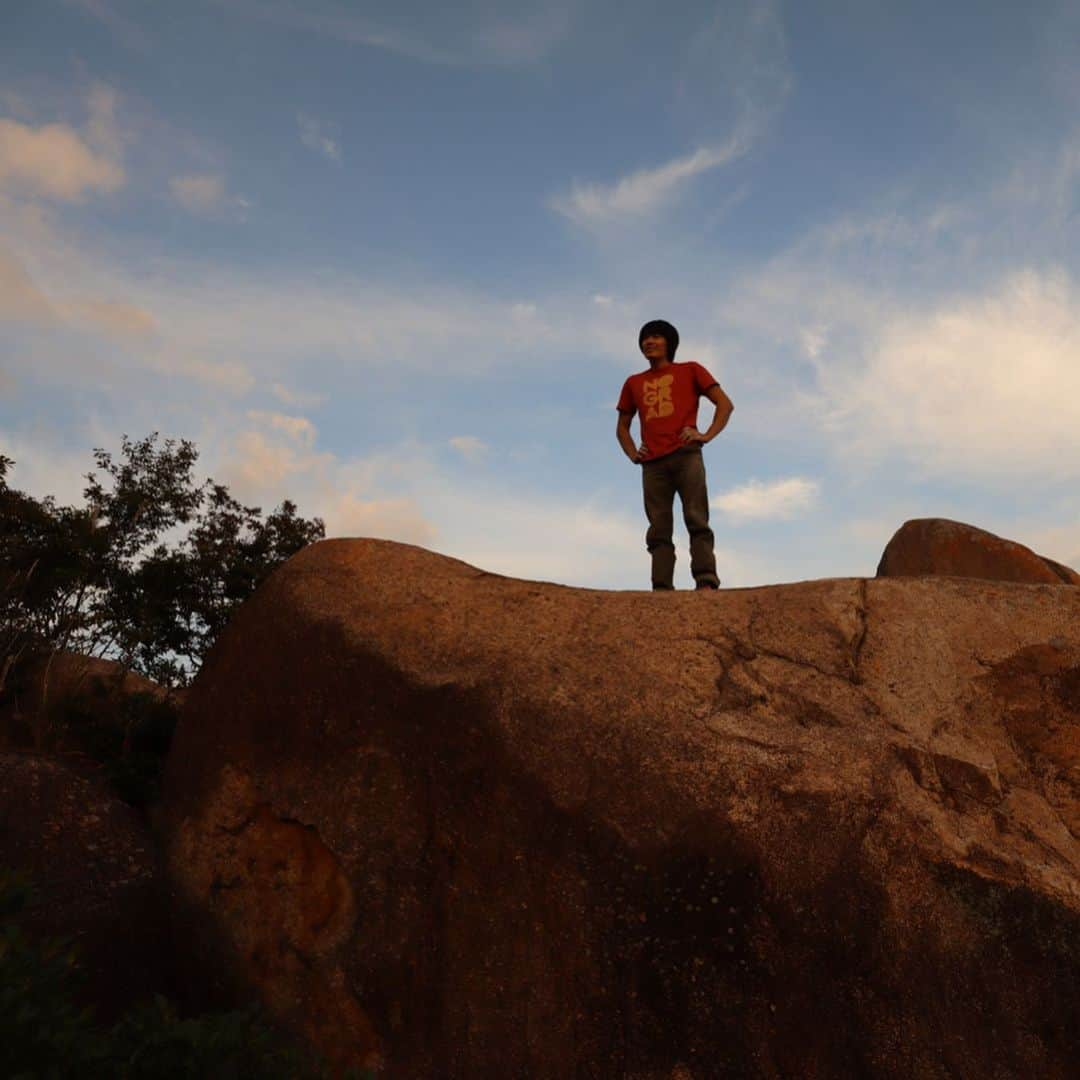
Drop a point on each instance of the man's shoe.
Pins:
(702, 586)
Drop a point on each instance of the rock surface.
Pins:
(97, 689)
(939, 546)
(467, 825)
(94, 874)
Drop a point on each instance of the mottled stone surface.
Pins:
(938, 546)
(467, 825)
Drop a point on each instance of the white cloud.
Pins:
(393, 518)
(55, 161)
(642, 192)
(259, 465)
(755, 500)
(469, 446)
(299, 429)
(314, 136)
(205, 195)
(262, 467)
(984, 385)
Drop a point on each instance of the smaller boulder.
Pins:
(937, 546)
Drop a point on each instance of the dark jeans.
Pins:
(682, 472)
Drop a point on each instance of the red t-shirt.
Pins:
(667, 401)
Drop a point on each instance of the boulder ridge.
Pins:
(453, 824)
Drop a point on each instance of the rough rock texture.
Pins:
(96, 687)
(468, 825)
(938, 546)
(94, 872)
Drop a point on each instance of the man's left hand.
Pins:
(691, 435)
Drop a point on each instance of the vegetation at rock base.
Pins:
(146, 574)
(102, 581)
(44, 1032)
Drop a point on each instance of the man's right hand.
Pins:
(639, 454)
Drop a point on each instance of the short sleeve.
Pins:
(702, 379)
(626, 400)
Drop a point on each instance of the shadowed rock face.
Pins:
(94, 873)
(48, 685)
(466, 825)
(938, 546)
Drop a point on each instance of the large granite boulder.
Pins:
(939, 546)
(91, 862)
(459, 824)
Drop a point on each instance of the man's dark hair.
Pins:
(665, 330)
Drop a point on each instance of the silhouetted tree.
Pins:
(104, 581)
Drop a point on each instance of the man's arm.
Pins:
(724, 409)
(626, 440)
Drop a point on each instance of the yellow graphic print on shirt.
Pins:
(657, 395)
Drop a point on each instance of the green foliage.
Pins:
(45, 1034)
(101, 580)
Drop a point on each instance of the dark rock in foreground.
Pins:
(467, 825)
(94, 874)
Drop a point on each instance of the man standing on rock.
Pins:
(666, 396)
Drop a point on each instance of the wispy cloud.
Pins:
(642, 192)
(206, 195)
(735, 74)
(106, 12)
(299, 399)
(469, 447)
(313, 134)
(20, 299)
(489, 32)
(732, 80)
(756, 500)
(292, 325)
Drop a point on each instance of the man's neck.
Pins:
(657, 365)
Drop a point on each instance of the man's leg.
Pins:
(658, 487)
(695, 504)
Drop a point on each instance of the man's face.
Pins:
(654, 346)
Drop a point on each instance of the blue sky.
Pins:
(390, 260)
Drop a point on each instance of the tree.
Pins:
(102, 580)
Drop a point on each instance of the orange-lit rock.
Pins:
(466, 825)
(938, 546)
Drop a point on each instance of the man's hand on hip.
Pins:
(690, 436)
(639, 454)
